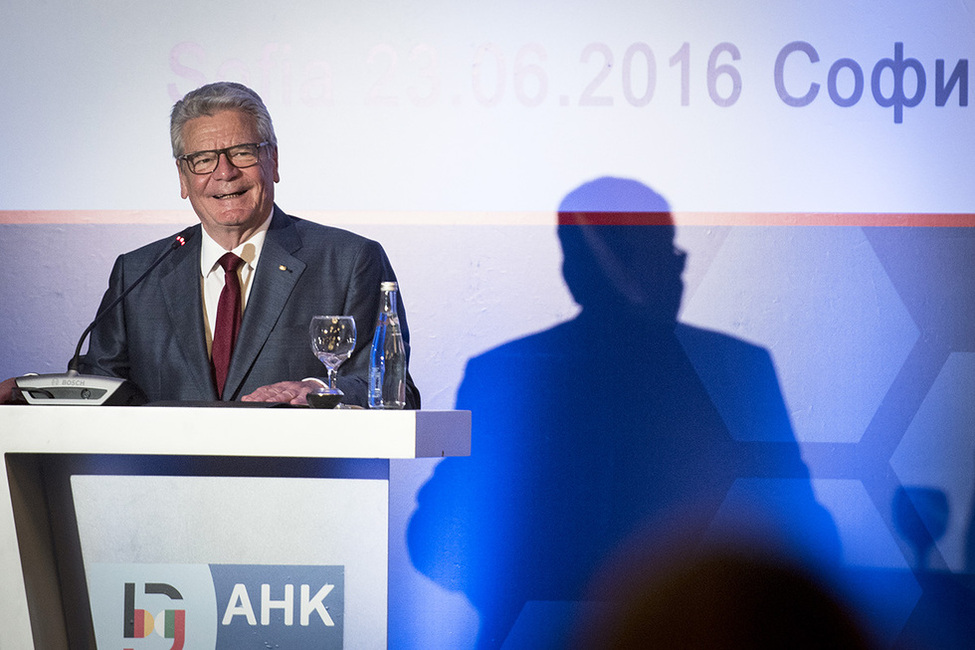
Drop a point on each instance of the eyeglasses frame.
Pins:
(222, 152)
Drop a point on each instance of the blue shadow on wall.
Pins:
(622, 424)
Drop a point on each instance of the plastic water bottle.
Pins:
(387, 363)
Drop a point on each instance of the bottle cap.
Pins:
(388, 286)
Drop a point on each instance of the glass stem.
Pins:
(332, 372)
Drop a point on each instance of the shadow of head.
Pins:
(617, 238)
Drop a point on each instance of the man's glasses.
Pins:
(240, 156)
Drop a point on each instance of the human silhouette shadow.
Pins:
(970, 542)
(611, 424)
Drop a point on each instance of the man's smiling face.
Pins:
(230, 202)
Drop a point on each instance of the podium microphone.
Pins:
(73, 388)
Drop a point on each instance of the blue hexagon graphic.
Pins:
(937, 452)
(820, 300)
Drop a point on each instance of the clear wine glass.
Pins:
(332, 341)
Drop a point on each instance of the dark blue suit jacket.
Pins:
(155, 337)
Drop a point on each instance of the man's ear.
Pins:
(277, 178)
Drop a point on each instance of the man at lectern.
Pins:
(172, 335)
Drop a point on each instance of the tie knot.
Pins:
(230, 262)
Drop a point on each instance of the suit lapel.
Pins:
(180, 289)
(276, 276)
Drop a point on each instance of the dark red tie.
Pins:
(228, 320)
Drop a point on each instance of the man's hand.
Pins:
(289, 392)
(7, 391)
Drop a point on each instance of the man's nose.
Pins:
(225, 169)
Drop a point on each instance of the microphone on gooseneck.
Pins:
(93, 390)
(178, 242)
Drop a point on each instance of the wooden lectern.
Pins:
(91, 495)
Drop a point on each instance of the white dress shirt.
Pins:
(212, 274)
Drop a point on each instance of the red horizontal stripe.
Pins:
(513, 218)
(825, 219)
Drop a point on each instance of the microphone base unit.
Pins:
(73, 389)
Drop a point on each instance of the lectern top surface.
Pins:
(294, 432)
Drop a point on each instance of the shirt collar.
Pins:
(249, 251)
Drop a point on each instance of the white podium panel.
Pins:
(217, 541)
(178, 527)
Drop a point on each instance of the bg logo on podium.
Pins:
(169, 623)
(220, 606)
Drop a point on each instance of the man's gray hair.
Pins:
(211, 99)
